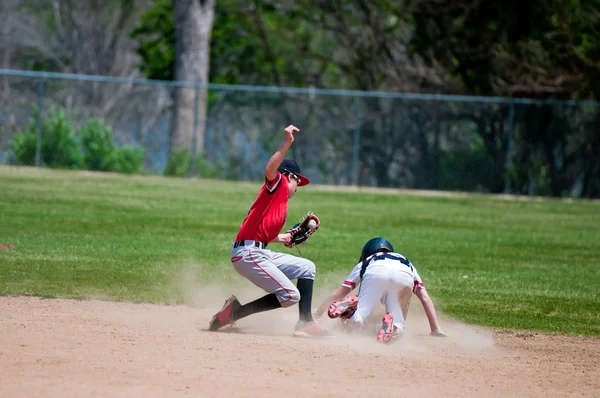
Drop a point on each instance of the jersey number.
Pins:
(401, 259)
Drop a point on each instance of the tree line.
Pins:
(544, 50)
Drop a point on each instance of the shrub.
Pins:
(128, 160)
(178, 164)
(203, 169)
(97, 145)
(59, 147)
(23, 147)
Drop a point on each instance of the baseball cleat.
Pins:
(225, 316)
(311, 329)
(344, 308)
(386, 332)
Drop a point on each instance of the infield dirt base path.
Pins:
(68, 348)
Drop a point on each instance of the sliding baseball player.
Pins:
(384, 276)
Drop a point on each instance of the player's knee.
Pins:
(310, 270)
(290, 297)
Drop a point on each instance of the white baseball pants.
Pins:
(388, 283)
(272, 271)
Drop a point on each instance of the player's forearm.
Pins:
(337, 294)
(275, 160)
(325, 304)
(281, 238)
(431, 313)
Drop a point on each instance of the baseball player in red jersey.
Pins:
(384, 276)
(267, 269)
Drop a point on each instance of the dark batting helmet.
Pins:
(371, 247)
(375, 245)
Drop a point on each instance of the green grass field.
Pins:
(531, 264)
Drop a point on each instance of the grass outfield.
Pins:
(531, 264)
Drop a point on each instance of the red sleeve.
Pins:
(417, 286)
(272, 185)
(349, 284)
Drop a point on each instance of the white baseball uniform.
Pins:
(389, 278)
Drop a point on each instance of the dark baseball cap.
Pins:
(290, 166)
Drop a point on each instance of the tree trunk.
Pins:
(193, 27)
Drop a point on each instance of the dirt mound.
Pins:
(68, 348)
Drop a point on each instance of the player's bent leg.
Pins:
(306, 326)
(258, 268)
(396, 303)
(304, 271)
(397, 299)
(371, 289)
(358, 318)
(305, 288)
(294, 267)
(265, 303)
(388, 330)
(289, 296)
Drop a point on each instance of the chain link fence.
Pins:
(415, 141)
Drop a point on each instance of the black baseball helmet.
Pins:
(375, 245)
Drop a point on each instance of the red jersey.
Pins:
(268, 214)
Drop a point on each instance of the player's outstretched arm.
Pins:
(335, 295)
(283, 238)
(429, 311)
(277, 158)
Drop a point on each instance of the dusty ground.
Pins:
(64, 348)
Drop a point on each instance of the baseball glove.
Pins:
(304, 229)
(344, 308)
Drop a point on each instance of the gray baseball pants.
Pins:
(272, 271)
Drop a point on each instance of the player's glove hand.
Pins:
(438, 333)
(303, 230)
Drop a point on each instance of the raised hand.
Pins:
(289, 133)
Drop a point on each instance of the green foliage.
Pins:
(23, 147)
(465, 170)
(59, 146)
(100, 153)
(98, 147)
(94, 149)
(128, 160)
(251, 43)
(536, 49)
(155, 34)
(204, 170)
(180, 165)
(540, 48)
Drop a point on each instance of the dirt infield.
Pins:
(68, 348)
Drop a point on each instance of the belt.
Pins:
(255, 243)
